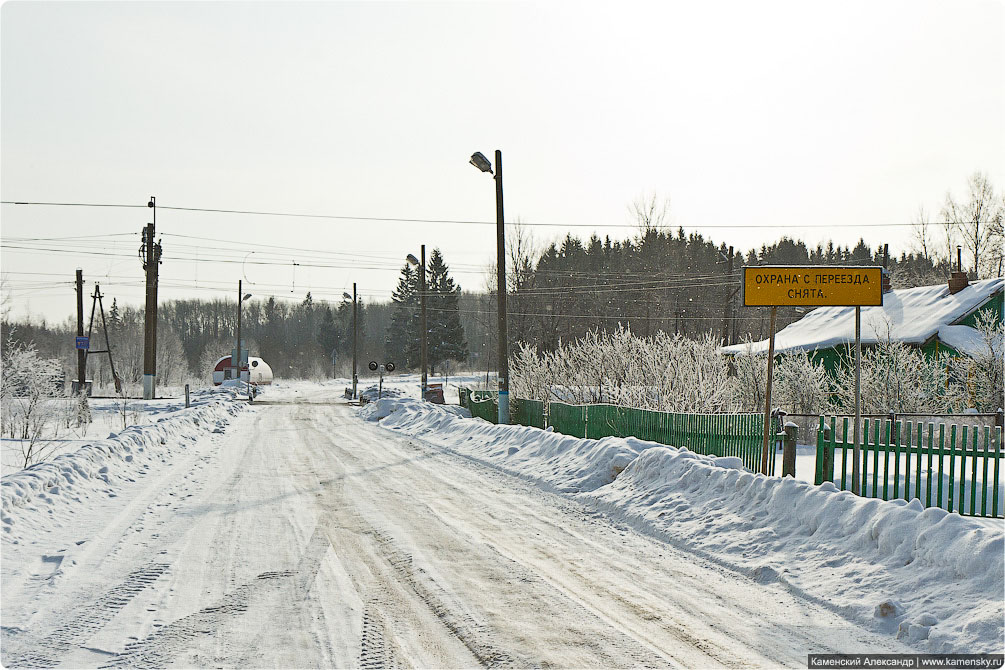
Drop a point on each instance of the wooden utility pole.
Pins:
(422, 319)
(355, 336)
(81, 353)
(150, 254)
(726, 326)
(237, 363)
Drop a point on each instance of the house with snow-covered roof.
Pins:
(940, 320)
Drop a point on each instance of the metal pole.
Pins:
(237, 363)
(422, 319)
(81, 354)
(767, 394)
(856, 454)
(501, 291)
(355, 333)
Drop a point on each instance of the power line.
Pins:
(345, 217)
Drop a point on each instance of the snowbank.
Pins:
(569, 464)
(33, 497)
(931, 578)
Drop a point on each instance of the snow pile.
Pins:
(893, 564)
(30, 499)
(371, 392)
(565, 463)
(929, 577)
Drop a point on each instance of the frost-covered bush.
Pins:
(801, 385)
(897, 378)
(28, 382)
(983, 375)
(750, 377)
(666, 372)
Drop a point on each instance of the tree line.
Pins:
(659, 280)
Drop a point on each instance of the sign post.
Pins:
(767, 394)
(777, 286)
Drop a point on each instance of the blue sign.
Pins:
(83, 343)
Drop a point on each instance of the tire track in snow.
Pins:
(80, 623)
(157, 649)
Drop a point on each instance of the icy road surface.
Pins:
(305, 537)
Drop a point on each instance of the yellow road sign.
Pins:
(812, 286)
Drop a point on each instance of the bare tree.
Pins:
(975, 219)
(922, 233)
(650, 212)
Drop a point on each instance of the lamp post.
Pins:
(241, 297)
(355, 332)
(483, 164)
(422, 311)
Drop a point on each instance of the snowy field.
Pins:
(64, 435)
(302, 532)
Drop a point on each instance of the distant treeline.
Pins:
(660, 280)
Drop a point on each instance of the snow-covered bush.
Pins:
(27, 383)
(801, 385)
(670, 373)
(750, 377)
(983, 375)
(897, 378)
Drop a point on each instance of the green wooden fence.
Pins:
(527, 412)
(958, 469)
(485, 404)
(737, 435)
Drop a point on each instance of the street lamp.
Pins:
(241, 297)
(355, 332)
(422, 310)
(482, 163)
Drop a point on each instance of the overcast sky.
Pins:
(809, 116)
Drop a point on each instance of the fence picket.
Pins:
(907, 462)
(896, 462)
(952, 467)
(963, 469)
(984, 488)
(928, 487)
(973, 475)
(994, 492)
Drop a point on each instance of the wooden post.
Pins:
(767, 394)
(187, 403)
(81, 353)
(789, 450)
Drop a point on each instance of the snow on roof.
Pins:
(967, 340)
(911, 315)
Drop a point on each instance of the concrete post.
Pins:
(789, 450)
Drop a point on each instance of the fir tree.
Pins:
(401, 346)
(443, 318)
(328, 335)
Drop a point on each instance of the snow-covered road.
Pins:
(305, 537)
